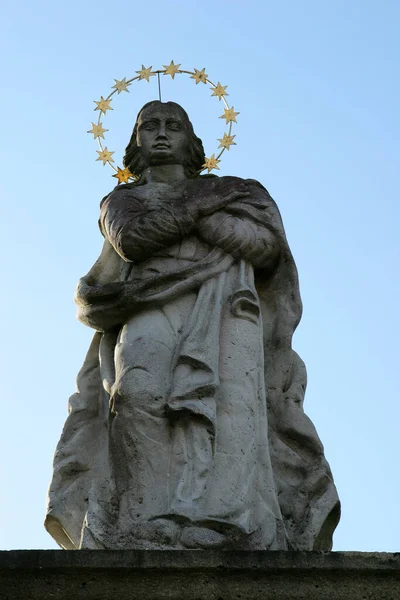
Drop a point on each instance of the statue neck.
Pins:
(164, 174)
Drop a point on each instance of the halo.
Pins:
(199, 76)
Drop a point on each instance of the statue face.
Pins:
(162, 135)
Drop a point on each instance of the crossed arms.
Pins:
(225, 212)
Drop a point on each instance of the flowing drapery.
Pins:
(233, 283)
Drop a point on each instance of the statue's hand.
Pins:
(210, 204)
(214, 195)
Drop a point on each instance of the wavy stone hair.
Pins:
(195, 155)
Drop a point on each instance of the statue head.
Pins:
(163, 134)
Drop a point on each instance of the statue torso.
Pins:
(190, 249)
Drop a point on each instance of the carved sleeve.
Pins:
(240, 237)
(136, 232)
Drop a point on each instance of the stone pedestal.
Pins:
(198, 575)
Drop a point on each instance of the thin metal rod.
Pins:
(159, 86)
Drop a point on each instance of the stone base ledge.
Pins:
(197, 575)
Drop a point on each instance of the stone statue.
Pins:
(187, 429)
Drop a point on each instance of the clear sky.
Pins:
(317, 86)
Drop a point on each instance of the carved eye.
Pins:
(174, 125)
(148, 125)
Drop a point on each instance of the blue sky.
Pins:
(317, 87)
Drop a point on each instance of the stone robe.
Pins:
(188, 429)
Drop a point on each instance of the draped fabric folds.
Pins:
(241, 455)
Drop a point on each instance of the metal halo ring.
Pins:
(200, 76)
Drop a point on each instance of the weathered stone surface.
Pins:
(187, 430)
(198, 575)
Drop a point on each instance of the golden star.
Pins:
(199, 76)
(103, 105)
(171, 69)
(227, 141)
(211, 163)
(105, 155)
(219, 90)
(121, 86)
(229, 115)
(97, 130)
(145, 73)
(123, 175)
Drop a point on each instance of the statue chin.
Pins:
(188, 430)
(161, 156)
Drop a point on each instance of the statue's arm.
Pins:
(136, 232)
(102, 300)
(241, 237)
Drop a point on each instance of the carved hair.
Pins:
(195, 155)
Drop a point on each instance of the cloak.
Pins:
(268, 291)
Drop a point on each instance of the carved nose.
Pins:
(161, 132)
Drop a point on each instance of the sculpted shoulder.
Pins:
(210, 181)
(131, 198)
(119, 192)
(256, 189)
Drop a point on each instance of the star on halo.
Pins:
(172, 69)
(103, 105)
(145, 73)
(123, 175)
(97, 130)
(211, 163)
(121, 86)
(105, 155)
(227, 141)
(229, 115)
(199, 76)
(219, 90)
